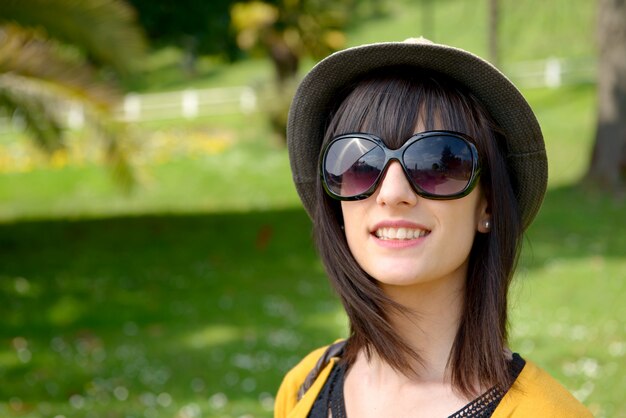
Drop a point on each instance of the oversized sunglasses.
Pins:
(438, 164)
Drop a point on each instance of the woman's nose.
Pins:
(394, 189)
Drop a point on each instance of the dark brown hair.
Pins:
(389, 104)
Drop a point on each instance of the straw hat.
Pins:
(317, 94)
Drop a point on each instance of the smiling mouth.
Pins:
(400, 233)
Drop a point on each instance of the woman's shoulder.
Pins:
(300, 371)
(535, 393)
(287, 396)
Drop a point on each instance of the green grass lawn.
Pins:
(155, 315)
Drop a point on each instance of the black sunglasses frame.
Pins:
(398, 155)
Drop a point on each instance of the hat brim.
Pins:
(317, 94)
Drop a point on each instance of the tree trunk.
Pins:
(286, 61)
(428, 20)
(608, 161)
(493, 32)
(190, 55)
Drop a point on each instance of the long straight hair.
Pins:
(389, 104)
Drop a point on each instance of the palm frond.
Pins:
(38, 64)
(40, 117)
(42, 110)
(104, 30)
(38, 83)
(51, 56)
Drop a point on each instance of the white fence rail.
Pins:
(552, 72)
(190, 104)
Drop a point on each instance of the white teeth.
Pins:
(400, 233)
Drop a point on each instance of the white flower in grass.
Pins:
(218, 401)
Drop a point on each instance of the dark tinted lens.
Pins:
(352, 166)
(440, 165)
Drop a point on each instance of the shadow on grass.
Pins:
(575, 223)
(113, 312)
(158, 313)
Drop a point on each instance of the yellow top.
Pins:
(533, 394)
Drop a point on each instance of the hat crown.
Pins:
(418, 40)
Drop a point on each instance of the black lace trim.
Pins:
(331, 398)
(481, 407)
(485, 405)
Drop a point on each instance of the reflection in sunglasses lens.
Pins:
(353, 165)
(440, 166)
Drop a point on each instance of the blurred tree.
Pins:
(286, 31)
(54, 53)
(608, 160)
(196, 26)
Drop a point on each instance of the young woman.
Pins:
(421, 165)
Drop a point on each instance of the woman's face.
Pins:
(402, 239)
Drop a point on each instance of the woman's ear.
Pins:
(484, 226)
(483, 221)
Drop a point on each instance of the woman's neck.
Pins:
(431, 323)
(373, 388)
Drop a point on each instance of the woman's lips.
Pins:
(399, 233)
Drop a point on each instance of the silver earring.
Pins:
(487, 224)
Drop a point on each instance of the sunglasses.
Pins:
(438, 165)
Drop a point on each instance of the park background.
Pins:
(182, 281)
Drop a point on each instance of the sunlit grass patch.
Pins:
(212, 335)
(567, 119)
(243, 177)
